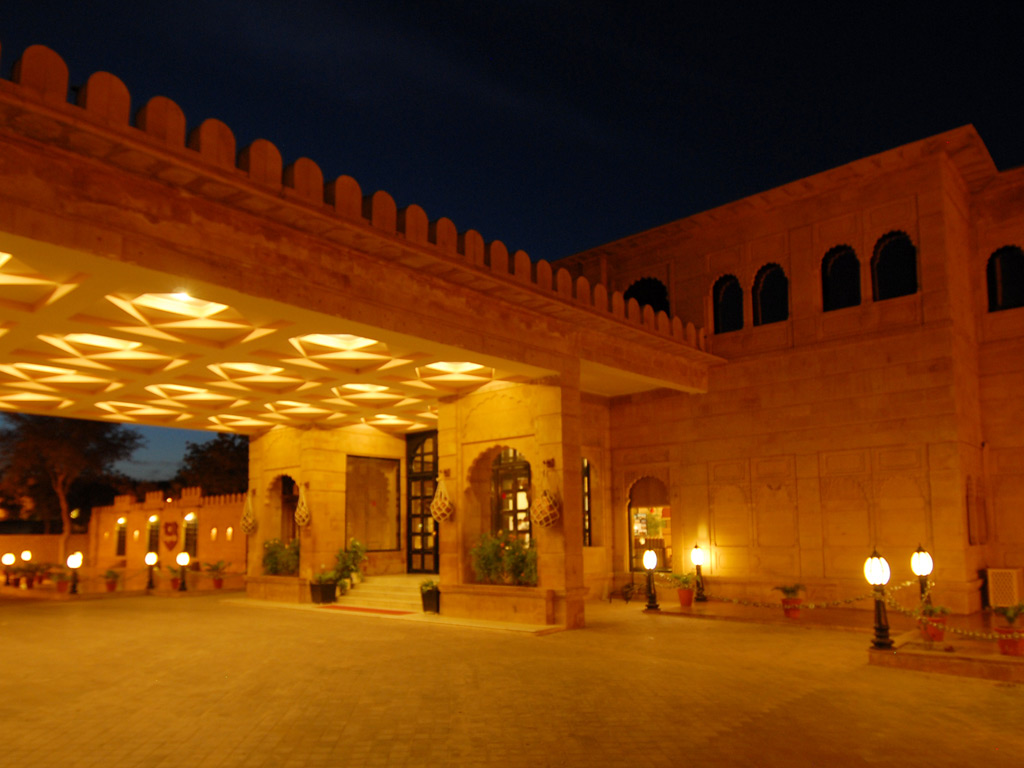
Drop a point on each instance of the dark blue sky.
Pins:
(556, 126)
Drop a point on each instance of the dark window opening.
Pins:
(153, 535)
(510, 494)
(192, 536)
(586, 503)
(122, 538)
(771, 295)
(840, 279)
(727, 298)
(289, 503)
(649, 291)
(894, 267)
(1005, 273)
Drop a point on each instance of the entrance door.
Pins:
(421, 463)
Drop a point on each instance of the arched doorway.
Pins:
(650, 523)
(284, 495)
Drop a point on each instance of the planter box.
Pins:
(322, 593)
(431, 600)
(1009, 646)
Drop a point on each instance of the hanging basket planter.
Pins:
(248, 524)
(302, 513)
(442, 507)
(545, 510)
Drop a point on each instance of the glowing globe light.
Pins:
(151, 558)
(26, 555)
(697, 555)
(182, 559)
(876, 570)
(650, 559)
(7, 559)
(75, 560)
(921, 562)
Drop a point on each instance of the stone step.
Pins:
(397, 593)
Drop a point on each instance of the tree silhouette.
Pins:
(36, 450)
(217, 466)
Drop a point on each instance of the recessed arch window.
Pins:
(192, 535)
(893, 267)
(122, 537)
(840, 279)
(771, 295)
(289, 496)
(727, 301)
(153, 534)
(510, 494)
(650, 523)
(1005, 272)
(649, 291)
(587, 541)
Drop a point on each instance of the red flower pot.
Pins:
(175, 582)
(1009, 646)
(217, 583)
(933, 628)
(685, 597)
(111, 585)
(29, 581)
(791, 607)
(63, 586)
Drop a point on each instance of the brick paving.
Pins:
(209, 682)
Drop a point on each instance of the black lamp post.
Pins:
(697, 558)
(74, 563)
(150, 562)
(8, 561)
(182, 560)
(650, 563)
(876, 571)
(921, 564)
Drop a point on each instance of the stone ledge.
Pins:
(966, 658)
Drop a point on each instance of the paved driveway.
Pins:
(201, 681)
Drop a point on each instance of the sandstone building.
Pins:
(787, 381)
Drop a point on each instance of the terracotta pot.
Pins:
(218, 582)
(63, 586)
(929, 630)
(29, 581)
(1008, 646)
(791, 607)
(15, 581)
(175, 582)
(111, 585)
(685, 597)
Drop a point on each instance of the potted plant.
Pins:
(323, 586)
(430, 593)
(357, 555)
(790, 599)
(61, 579)
(216, 571)
(110, 578)
(685, 584)
(1008, 644)
(932, 621)
(347, 562)
(280, 559)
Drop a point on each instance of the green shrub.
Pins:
(503, 559)
(280, 559)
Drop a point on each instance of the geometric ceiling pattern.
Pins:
(87, 338)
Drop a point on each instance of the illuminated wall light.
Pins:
(213, 534)
(153, 518)
(135, 535)
(230, 533)
(121, 521)
(190, 516)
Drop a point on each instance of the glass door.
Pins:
(421, 463)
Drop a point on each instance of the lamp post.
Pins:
(697, 558)
(150, 562)
(650, 563)
(182, 560)
(26, 558)
(876, 571)
(921, 564)
(74, 563)
(8, 561)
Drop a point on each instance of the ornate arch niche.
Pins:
(282, 500)
(484, 501)
(649, 518)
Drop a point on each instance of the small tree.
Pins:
(217, 466)
(58, 452)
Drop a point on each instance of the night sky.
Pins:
(555, 126)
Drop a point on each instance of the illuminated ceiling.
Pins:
(84, 337)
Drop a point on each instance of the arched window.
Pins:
(122, 537)
(192, 535)
(650, 523)
(893, 267)
(510, 494)
(1006, 279)
(840, 279)
(587, 541)
(649, 291)
(289, 503)
(771, 295)
(727, 300)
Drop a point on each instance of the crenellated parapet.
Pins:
(40, 83)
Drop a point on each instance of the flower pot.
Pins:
(1008, 646)
(431, 600)
(218, 582)
(791, 607)
(685, 597)
(63, 586)
(111, 585)
(933, 628)
(175, 582)
(29, 581)
(322, 593)
(15, 581)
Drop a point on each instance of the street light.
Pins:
(650, 563)
(74, 563)
(697, 558)
(8, 561)
(921, 564)
(876, 571)
(26, 557)
(150, 561)
(182, 560)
